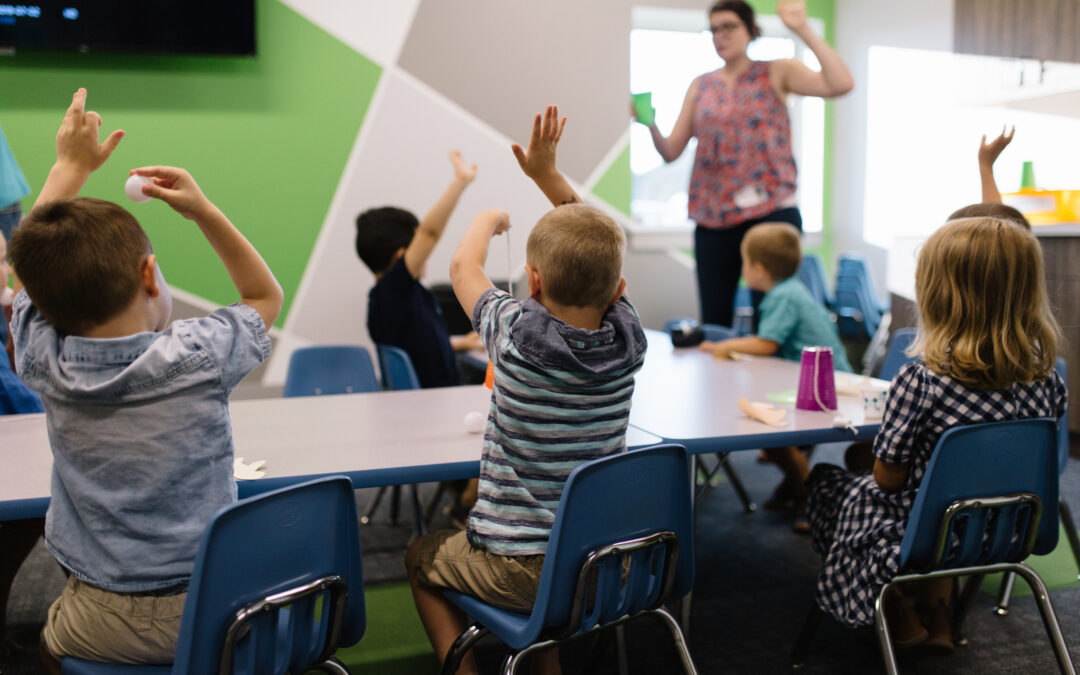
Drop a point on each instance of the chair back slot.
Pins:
(987, 530)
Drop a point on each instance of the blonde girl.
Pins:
(987, 344)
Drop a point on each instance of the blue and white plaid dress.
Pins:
(855, 526)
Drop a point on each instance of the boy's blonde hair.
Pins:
(776, 246)
(577, 250)
(984, 315)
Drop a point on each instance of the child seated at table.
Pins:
(136, 407)
(790, 320)
(395, 246)
(564, 364)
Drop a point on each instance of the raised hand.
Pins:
(793, 14)
(77, 140)
(176, 188)
(988, 152)
(463, 173)
(538, 161)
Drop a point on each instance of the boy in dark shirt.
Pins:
(401, 312)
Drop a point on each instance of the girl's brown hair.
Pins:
(983, 310)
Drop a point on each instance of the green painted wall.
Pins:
(267, 138)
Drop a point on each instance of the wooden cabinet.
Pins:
(1035, 29)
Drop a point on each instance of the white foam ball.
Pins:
(133, 188)
(474, 422)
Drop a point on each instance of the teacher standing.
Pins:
(744, 172)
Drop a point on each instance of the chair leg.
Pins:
(373, 503)
(676, 636)
(331, 666)
(463, 644)
(962, 600)
(881, 624)
(1049, 617)
(1004, 593)
(395, 504)
(748, 505)
(418, 510)
(806, 636)
(620, 649)
(1070, 530)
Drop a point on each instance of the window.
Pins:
(668, 49)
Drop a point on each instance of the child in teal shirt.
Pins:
(790, 320)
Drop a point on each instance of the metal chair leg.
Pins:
(962, 600)
(331, 666)
(620, 651)
(748, 505)
(1049, 617)
(395, 504)
(373, 503)
(806, 636)
(881, 624)
(1070, 530)
(1004, 593)
(461, 646)
(678, 637)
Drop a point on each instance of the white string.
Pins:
(817, 395)
(509, 269)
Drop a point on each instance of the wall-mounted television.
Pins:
(139, 26)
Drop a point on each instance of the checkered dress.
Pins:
(855, 526)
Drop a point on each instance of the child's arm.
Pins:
(671, 147)
(78, 154)
(467, 342)
(431, 227)
(751, 344)
(890, 477)
(249, 273)
(538, 162)
(467, 266)
(988, 154)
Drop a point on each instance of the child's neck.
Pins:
(588, 318)
(134, 319)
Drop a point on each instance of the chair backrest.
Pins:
(985, 461)
(812, 274)
(330, 369)
(855, 265)
(267, 545)
(396, 368)
(1063, 424)
(896, 356)
(618, 499)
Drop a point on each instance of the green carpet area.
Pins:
(395, 638)
(1058, 570)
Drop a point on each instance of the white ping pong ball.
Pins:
(133, 188)
(474, 422)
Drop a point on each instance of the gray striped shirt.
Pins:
(562, 397)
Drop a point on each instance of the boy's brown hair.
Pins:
(984, 316)
(577, 250)
(776, 246)
(79, 260)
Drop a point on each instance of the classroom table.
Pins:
(376, 439)
(687, 396)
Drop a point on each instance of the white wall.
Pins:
(916, 24)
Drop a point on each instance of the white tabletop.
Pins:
(687, 396)
(383, 438)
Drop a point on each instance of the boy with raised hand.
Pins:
(136, 407)
(564, 363)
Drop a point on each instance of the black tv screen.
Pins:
(144, 26)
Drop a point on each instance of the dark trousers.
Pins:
(719, 265)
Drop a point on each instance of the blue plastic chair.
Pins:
(857, 315)
(330, 369)
(278, 586)
(623, 532)
(896, 356)
(855, 265)
(398, 374)
(979, 509)
(1064, 512)
(812, 274)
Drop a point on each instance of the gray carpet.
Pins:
(754, 585)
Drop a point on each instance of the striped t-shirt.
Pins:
(562, 397)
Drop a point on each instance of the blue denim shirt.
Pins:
(141, 439)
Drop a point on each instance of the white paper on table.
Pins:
(253, 471)
(763, 412)
(850, 384)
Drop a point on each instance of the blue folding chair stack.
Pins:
(398, 374)
(330, 369)
(812, 274)
(858, 309)
(621, 545)
(984, 505)
(277, 587)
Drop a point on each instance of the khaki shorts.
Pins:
(446, 559)
(89, 623)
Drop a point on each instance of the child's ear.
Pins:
(148, 276)
(534, 283)
(619, 292)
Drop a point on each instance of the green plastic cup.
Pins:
(1027, 176)
(643, 109)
